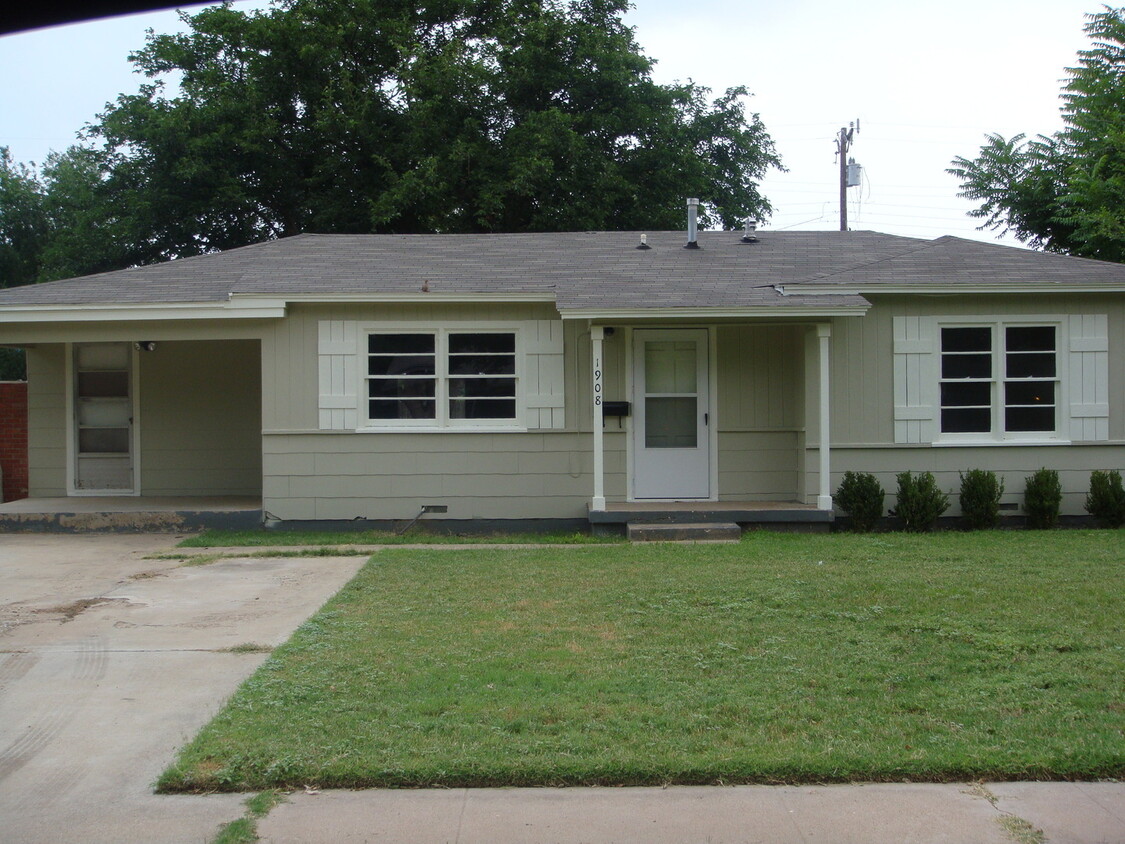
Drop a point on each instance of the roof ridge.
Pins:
(924, 245)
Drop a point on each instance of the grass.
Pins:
(782, 659)
(244, 830)
(250, 538)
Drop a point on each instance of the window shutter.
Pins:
(544, 381)
(338, 353)
(1088, 381)
(915, 380)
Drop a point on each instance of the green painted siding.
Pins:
(200, 418)
(46, 421)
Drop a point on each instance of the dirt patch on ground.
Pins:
(70, 611)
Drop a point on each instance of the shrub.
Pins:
(1041, 499)
(861, 496)
(980, 498)
(1106, 499)
(920, 502)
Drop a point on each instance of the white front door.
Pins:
(102, 425)
(671, 441)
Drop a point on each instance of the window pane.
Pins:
(482, 365)
(482, 408)
(966, 394)
(1033, 338)
(105, 413)
(670, 423)
(400, 365)
(485, 387)
(1029, 392)
(966, 366)
(400, 343)
(670, 366)
(1029, 419)
(400, 388)
(103, 384)
(103, 356)
(103, 440)
(402, 409)
(966, 339)
(966, 420)
(460, 344)
(1031, 365)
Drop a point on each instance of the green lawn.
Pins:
(785, 658)
(255, 538)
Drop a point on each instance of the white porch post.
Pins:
(597, 335)
(824, 499)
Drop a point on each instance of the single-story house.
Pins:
(545, 379)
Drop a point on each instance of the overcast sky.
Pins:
(927, 82)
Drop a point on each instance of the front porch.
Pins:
(140, 514)
(748, 515)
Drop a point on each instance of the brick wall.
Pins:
(13, 438)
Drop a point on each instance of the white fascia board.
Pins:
(767, 311)
(249, 299)
(139, 312)
(947, 289)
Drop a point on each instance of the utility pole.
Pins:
(843, 144)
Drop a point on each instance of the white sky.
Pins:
(926, 80)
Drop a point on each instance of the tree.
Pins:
(388, 116)
(1064, 192)
(23, 222)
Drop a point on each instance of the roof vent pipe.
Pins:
(749, 235)
(692, 214)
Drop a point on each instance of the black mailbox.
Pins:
(615, 408)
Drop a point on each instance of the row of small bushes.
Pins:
(921, 503)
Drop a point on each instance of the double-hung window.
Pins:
(443, 378)
(999, 381)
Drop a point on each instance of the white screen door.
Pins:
(103, 417)
(671, 445)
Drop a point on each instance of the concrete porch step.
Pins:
(684, 532)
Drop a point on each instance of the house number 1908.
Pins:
(597, 382)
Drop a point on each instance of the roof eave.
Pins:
(759, 312)
(949, 289)
(142, 311)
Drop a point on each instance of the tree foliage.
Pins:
(1064, 192)
(388, 116)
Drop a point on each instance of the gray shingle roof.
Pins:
(594, 270)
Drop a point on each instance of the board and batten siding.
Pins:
(200, 418)
(46, 421)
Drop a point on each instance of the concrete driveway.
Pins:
(110, 661)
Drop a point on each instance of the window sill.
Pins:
(439, 429)
(995, 443)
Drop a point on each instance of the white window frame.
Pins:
(998, 329)
(442, 420)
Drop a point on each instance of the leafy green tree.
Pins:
(387, 116)
(1064, 192)
(24, 227)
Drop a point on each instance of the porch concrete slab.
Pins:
(140, 514)
(867, 814)
(109, 662)
(1068, 812)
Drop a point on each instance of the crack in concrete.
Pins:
(1019, 829)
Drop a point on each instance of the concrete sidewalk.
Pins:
(1002, 813)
